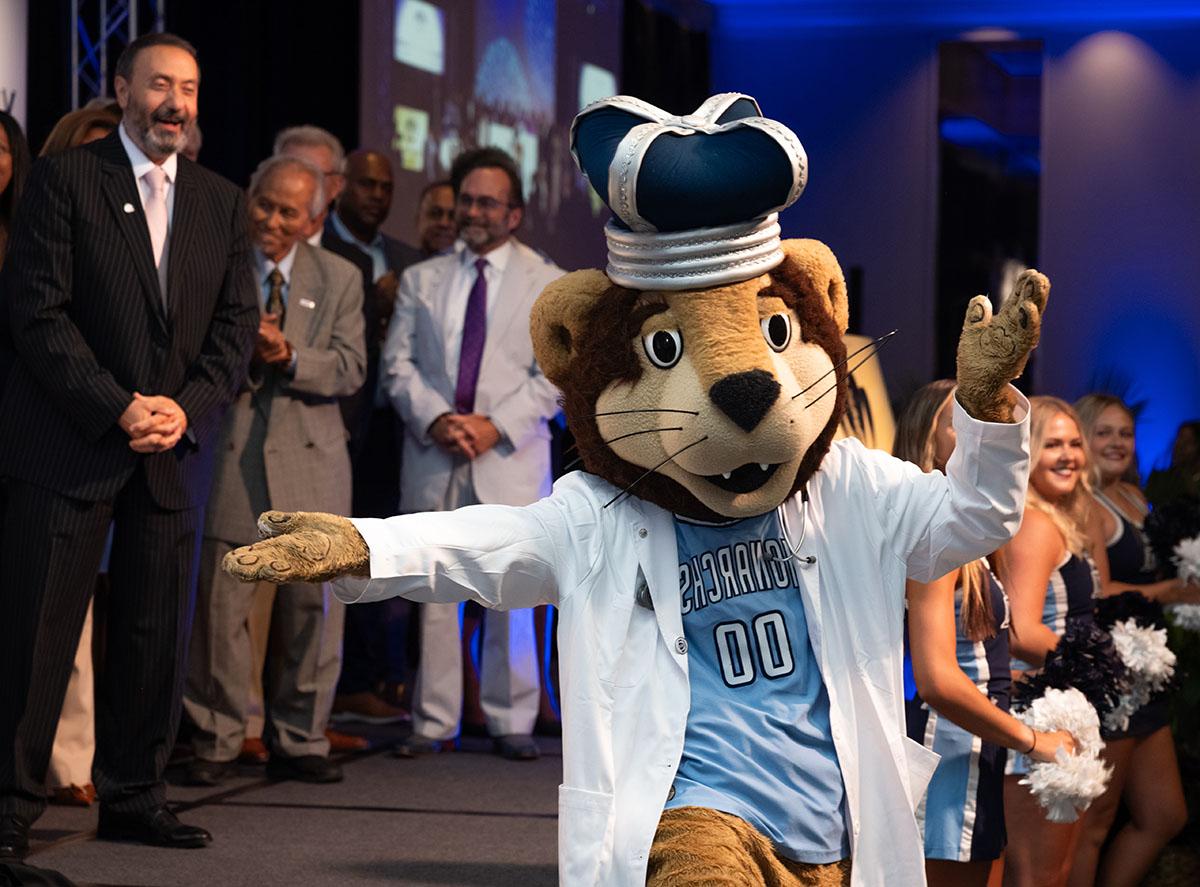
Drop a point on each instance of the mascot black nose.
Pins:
(745, 397)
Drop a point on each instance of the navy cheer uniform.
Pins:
(962, 815)
(1131, 559)
(1070, 596)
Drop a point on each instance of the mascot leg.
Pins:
(695, 845)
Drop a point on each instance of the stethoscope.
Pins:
(794, 550)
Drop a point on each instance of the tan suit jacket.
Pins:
(284, 442)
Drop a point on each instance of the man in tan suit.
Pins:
(284, 446)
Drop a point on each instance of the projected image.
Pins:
(412, 131)
(595, 83)
(419, 36)
(443, 76)
(514, 69)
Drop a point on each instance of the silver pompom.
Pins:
(1067, 786)
(1150, 664)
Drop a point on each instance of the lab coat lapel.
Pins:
(658, 556)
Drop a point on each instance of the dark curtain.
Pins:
(264, 65)
(665, 56)
(267, 65)
(48, 70)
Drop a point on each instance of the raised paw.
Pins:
(993, 349)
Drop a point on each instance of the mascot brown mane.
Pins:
(724, 382)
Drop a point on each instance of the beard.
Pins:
(143, 121)
(477, 237)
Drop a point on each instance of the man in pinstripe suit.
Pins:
(132, 308)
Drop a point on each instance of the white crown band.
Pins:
(695, 259)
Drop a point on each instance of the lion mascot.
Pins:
(729, 580)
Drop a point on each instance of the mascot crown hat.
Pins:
(696, 198)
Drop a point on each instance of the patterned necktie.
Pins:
(474, 334)
(275, 296)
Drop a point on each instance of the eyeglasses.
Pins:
(485, 204)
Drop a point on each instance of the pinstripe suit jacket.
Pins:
(89, 328)
(284, 442)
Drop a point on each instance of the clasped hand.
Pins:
(272, 347)
(468, 436)
(154, 423)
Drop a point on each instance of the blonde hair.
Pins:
(73, 127)
(915, 443)
(1089, 407)
(1069, 515)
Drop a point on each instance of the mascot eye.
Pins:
(663, 347)
(777, 330)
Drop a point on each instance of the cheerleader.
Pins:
(958, 642)
(1145, 770)
(1050, 579)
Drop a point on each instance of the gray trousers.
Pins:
(303, 662)
(509, 688)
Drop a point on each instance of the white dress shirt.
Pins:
(142, 165)
(455, 314)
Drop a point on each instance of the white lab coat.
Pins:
(872, 521)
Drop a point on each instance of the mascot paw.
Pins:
(993, 349)
(301, 546)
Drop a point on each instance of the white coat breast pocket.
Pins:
(632, 649)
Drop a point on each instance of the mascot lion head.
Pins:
(704, 372)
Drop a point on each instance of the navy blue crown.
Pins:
(695, 197)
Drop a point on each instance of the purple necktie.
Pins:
(474, 333)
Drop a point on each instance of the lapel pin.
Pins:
(307, 303)
(128, 207)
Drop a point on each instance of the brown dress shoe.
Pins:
(74, 795)
(253, 751)
(343, 742)
(366, 708)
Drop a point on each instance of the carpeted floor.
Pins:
(463, 818)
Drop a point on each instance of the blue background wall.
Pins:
(1120, 184)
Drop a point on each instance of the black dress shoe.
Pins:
(305, 768)
(208, 773)
(516, 747)
(158, 827)
(14, 836)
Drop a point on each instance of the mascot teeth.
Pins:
(745, 479)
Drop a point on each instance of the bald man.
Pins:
(374, 641)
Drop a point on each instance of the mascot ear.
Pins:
(819, 275)
(556, 323)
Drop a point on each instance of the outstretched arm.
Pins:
(501, 556)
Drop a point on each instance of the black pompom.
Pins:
(1084, 659)
(1169, 524)
(1129, 605)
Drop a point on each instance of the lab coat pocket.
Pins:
(633, 648)
(585, 834)
(921, 763)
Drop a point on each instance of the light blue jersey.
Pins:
(758, 742)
